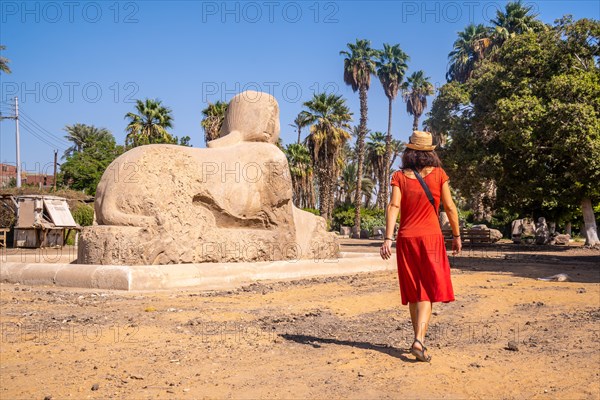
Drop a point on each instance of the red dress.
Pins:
(423, 266)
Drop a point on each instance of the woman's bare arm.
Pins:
(391, 215)
(452, 214)
(392, 211)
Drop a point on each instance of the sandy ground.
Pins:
(332, 337)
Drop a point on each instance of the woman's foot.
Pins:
(418, 350)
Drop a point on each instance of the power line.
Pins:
(35, 129)
(48, 139)
(41, 138)
(41, 128)
(25, 123)
(38, 137)
(7, 109)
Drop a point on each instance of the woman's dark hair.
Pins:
(418, 159)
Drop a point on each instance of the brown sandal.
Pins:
(420, 354)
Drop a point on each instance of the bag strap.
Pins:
(426, 189)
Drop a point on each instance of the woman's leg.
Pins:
(413, 316)
(423, 317)
(420, 314)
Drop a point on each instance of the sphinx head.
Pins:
(254, 116)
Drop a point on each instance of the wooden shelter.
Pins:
(41, 220)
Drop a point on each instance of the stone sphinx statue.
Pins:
(230, 202)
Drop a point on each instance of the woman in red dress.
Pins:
(423, 266)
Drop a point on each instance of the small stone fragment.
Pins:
(512, 346)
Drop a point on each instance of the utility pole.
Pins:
(18, 141)
(55, 155)
(16, 118)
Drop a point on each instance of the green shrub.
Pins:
(369, 217)
(465, 215)
(312, 211)
(369, 222)
(70, 239)
(83, 214)
(342, 216)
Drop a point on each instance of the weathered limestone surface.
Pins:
(523, 230)
(199, 276)
(444, 221)
(495, 234)
(562, 240)
(231, 202)
(542, 233)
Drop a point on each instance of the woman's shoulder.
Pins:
(396, 177)
(408, 173)
(442, 174)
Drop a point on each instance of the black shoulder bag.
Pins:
(426, 189)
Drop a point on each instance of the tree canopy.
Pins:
(359, 65)
(528, 119)
(81, 135)
(4, 62)
(213, 117)
(329, 118)
(83, 169)
(150, 124)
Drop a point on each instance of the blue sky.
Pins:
(85, 62)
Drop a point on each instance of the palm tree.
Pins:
(359, 65)
(391, 68)
(470, 47)
(301, 171)
(329, 118)
(397, 149)
(347, 183)
(415, 91)
(376, 165)
(299, 123)
(348, 151)
(439, 133)
(4, 62)
(516, 19)
(347, 156)
(81, 135)
(149, 125)
(212, 121)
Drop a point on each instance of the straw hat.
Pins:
(421, 141)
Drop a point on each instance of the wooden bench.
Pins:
(474, 236)
(3, 232)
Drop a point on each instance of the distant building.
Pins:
(8, 174)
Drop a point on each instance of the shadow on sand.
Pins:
(531, 261)
(314, 341)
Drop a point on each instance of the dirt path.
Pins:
(337, 337)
